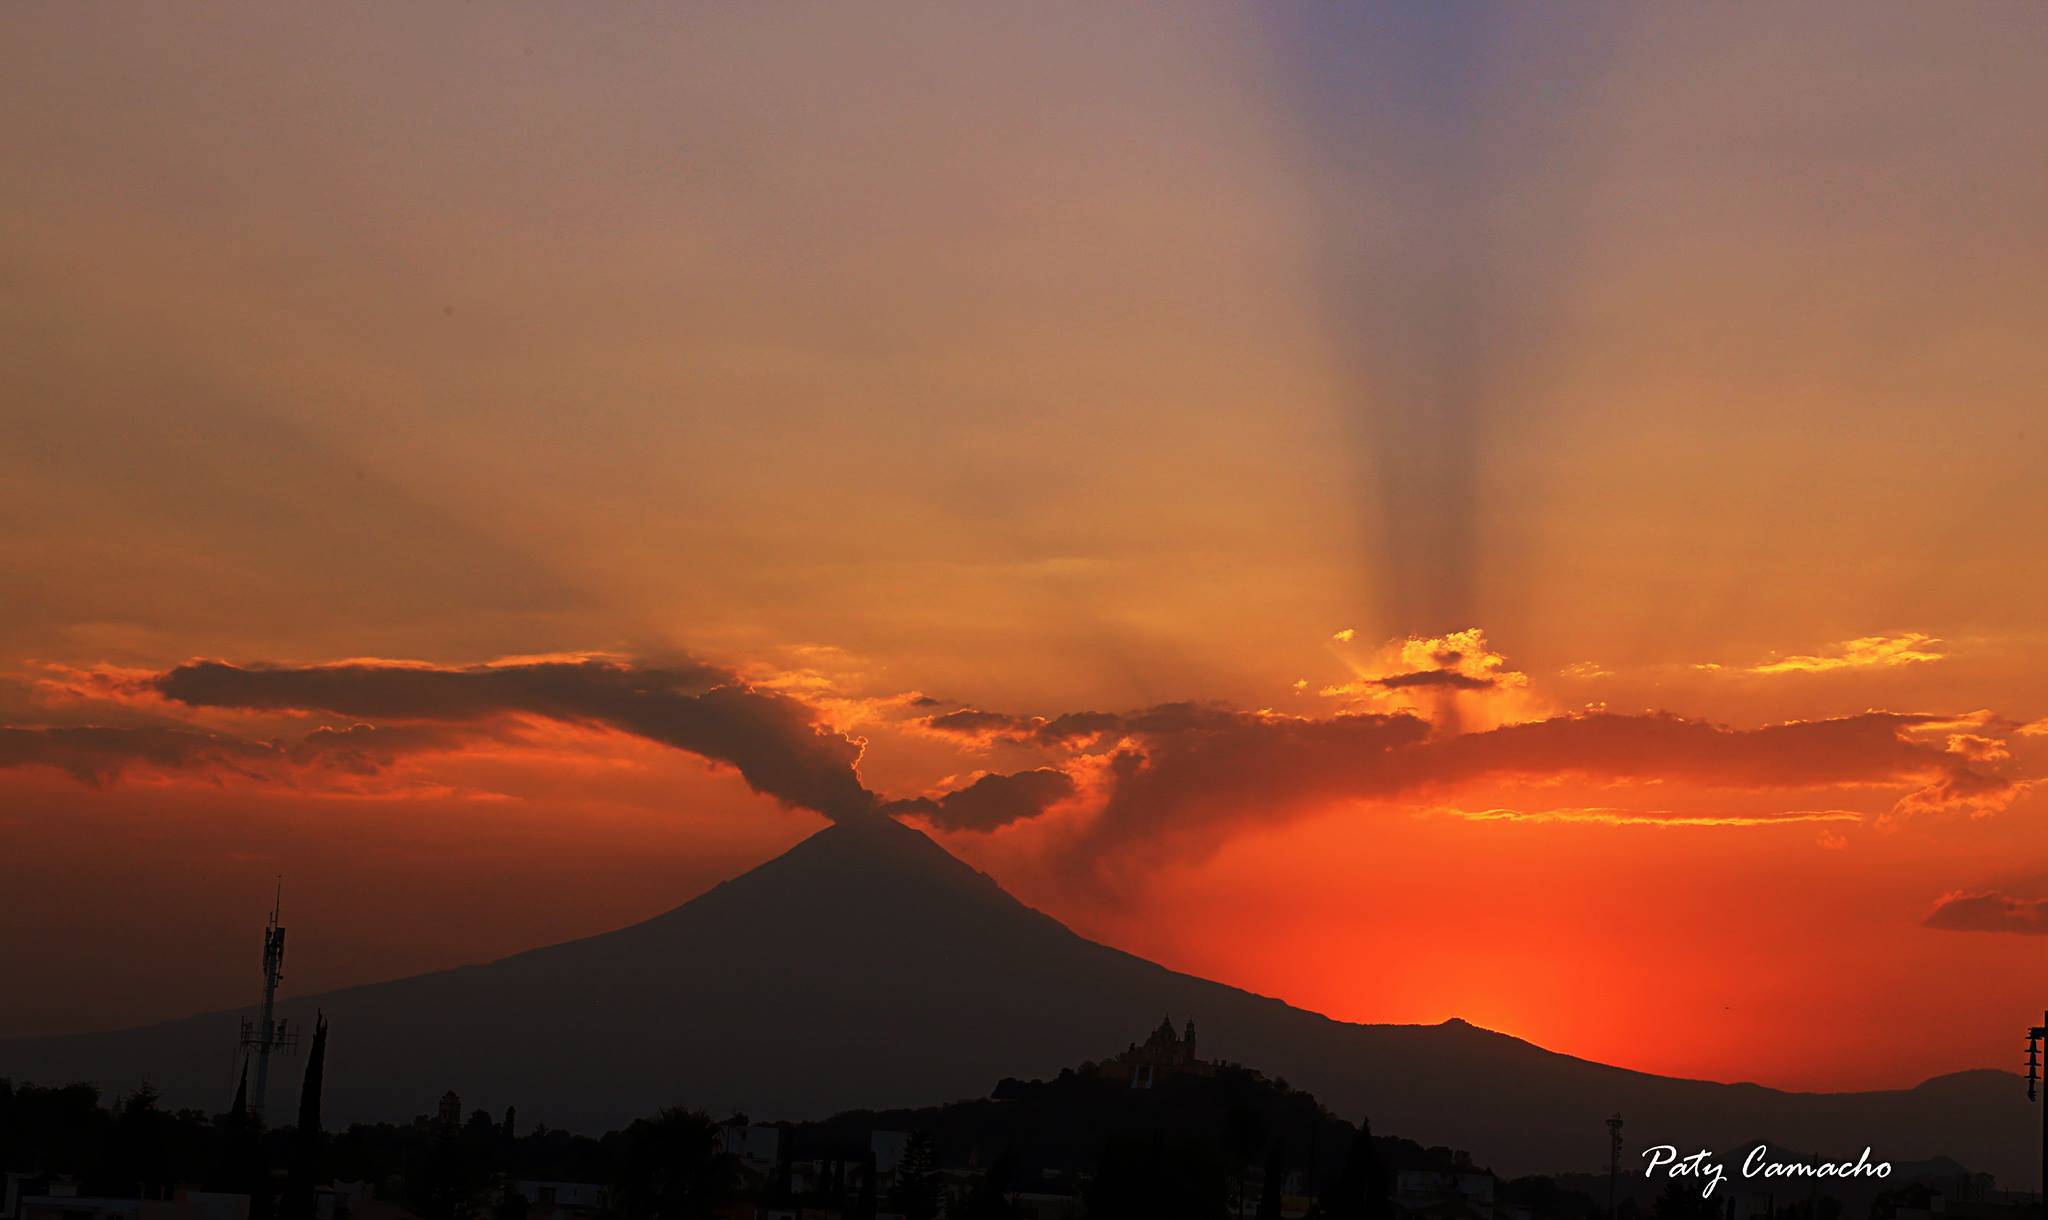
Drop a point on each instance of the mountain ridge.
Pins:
(867, 967)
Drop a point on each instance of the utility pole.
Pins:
(2035, 1037)
(1613, 1159)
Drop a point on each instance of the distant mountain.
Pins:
(869, 968)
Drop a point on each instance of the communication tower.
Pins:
(271, 1034)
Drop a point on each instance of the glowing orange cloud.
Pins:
(1648, 817)
(1865, 652)
(1173, 781)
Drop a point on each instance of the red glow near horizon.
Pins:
(1671, 924)
(1664, 403)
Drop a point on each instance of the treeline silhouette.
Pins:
(1186, 1149)
(668, 1165)
(1229, 1143)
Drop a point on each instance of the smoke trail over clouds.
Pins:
(1187, 778)
(101, 754)
(773, 740)
(1175, 780)
(991, 801)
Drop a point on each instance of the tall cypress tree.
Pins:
(300, 1202)
(231, 1157)
(1364, 1189)
(1271, 1193)
(917, 1187)
(866, 1204)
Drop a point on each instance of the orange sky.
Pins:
(1036, 362)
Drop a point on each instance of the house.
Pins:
(1458, 1191)
(758, 1147)
(562, 1200)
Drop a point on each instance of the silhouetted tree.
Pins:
(1271, 1192)
(1815, 1206)
(834, 1184)
(865, 1204)
(1918, 1196)
(917, 1187)
(990, 1198)
(511, 1204)
(237, 1164)
(139, 1153)
(300, 1198)
(780, 1190)
(1542, 1196)
(1244, 1132)
(1158, 1177)
(670, 1166)
(1364, 1190)
(449, 1179)
(230, 1153)
(256, 1176)
(1683, 1201)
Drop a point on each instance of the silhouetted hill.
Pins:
(869, 968)
(1057, 1126)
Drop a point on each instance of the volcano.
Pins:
(869, 968)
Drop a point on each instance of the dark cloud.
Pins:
(991, 801)
(1192, 787)
(366, 749)
(1963, 789)
(1161, 720)
(1079, 727)
(1189, 774)
(1869, 748)
(971, 723)
(1450, 678)
(771, 739)
(1989, 911)
(99, 754)
(1173, 777)
(559, 689)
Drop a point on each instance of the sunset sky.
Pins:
(1524, 513)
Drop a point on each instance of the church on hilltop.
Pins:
(1163, 1054)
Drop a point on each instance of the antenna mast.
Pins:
(272, 1034)
(1613, 1159)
